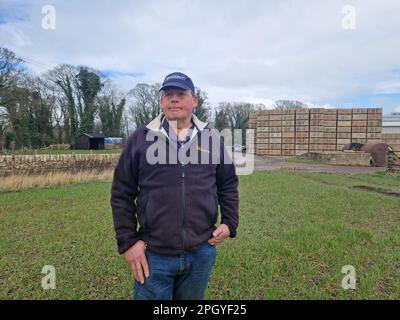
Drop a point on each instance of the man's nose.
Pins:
(174, 98)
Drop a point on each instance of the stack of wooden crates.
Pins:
(294, 132)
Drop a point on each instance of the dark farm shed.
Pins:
(88, 141)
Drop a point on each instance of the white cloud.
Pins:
(235, 50)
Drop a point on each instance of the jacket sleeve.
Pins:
(124, 191)
(227, 189)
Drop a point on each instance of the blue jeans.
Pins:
(181, 277)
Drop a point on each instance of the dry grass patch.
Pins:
(21, 182)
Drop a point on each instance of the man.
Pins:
(174, 201)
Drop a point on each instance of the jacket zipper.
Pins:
(184, 235)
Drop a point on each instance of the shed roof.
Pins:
(93, 135)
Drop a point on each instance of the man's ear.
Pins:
(196, 101)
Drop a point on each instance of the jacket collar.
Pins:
(155, 124)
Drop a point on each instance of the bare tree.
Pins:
(146, 103)
(111, 103)
(10, 68)
(202, 111)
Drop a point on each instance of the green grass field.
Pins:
(297, 231)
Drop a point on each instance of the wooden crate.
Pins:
(316, 140)
(329, 147)
(287, 129)
(288, 117)
(288, 152)
(330, 117)
(341, 123)
(288, 134)
(302, 134)
(275, 140)
(302, 123)
(343, 135)
(360, 116)
(302, 141)
(374, 123)
(302, 147)
(262, 152)
(274, 152)
(375, 110)
(359, 129)
(302, 129)
(275, 111)
(317, 110)
(343, 129)
(344, 117)
(288, 112)
(275, 135)
(375, 116)
(360, 110)
(374, 136)
(374, 129)
(275, 146)
(343, 141)
(359, 123)
(316, 128)
(316, 122)
(316, 147)
(331, 111)
(345, 111)
(302, 116)
(302, 111)
(288, 146)
(288, 140)
(275, 129)
(330, 135)
(262, 146)
(262, 129)
(316, 134)
(262, 134)
(288, 123)
(275, 123)
(358, 135)
(329, 141)
(262, 123)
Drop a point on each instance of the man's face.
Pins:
(178, 104)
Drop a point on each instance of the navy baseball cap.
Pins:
(178, 80)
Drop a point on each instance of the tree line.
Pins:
(59, 104)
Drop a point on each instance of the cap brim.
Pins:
(179, 85)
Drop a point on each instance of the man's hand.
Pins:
(220, 234)
(137, 259)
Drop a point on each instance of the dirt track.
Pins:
(280, 163)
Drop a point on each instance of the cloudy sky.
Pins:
(324, 53)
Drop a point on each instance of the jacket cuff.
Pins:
(232, 231)
(125, 242)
